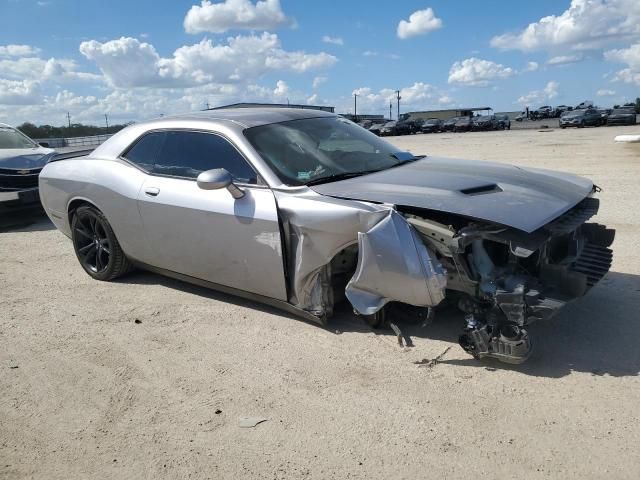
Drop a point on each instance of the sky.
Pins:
(139, 59)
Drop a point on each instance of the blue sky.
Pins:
(135, 60)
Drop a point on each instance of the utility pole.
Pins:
(390, 107)
(69, 119)
(106, 121)
(355, 107)
(207, 104)
(398, 97)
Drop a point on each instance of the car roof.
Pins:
(251, 117)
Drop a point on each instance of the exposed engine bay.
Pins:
(503, 279)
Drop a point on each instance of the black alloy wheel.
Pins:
(96, 246)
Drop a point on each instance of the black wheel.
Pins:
(96, 245)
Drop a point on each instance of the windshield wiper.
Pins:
(345, 175)
(341, 176)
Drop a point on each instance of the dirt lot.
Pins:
(148, 377)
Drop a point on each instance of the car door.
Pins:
(208, 234)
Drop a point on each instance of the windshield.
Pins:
(312, 149)
(11, 138)
(624, 111)
(432, 121)
(575, 113)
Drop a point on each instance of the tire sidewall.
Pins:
(108, 272)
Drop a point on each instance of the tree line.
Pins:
(74, 130)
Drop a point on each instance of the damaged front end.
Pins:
(502, 278)
(505, 279)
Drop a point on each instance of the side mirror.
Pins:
(44, 144)
(216, 179)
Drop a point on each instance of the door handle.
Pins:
(151, 191)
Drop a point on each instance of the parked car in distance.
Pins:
(604, 114)
(21, 160)
(484, 123)
(544, 112)
(450, 124)
(365, 123)
(521, 116)
(588, 117)
(584, 105)
(504, 122)
(406, 127)
(463, 124)
(389, 129)
(303, 209)
(432, 125)
(375, 128)
(622, 116)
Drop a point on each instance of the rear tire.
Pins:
(96, 245)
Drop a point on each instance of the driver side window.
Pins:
(187, 154)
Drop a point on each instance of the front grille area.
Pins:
(11, 180)
(575, 217)
(594, 262)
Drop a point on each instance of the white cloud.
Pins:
(414, 97)
(565, 59)
(19, 92)
(532, 67)
(333, 40)
(586, 24)
(39, 69)
(605, 92)
(235, 14)
(127, 62)
(317, 81)
(282, 89)
(629, 56)
(370, 53)
(18, 50)
(478, 73)
(536, 97)
(419, 23)
(313, 99)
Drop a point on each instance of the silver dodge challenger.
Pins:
(302, 209)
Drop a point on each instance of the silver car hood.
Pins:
(24, 158)
(522, 198)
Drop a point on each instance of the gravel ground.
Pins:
(148, 377)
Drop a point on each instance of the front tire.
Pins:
(96, 245)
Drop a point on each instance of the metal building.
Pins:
(446, 114)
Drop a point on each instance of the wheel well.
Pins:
(75, 204)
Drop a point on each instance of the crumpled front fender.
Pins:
(394, 265)
(393, 262)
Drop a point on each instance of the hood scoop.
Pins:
(482, 189)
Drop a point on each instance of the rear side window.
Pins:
(187, 154)
(145, 151)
